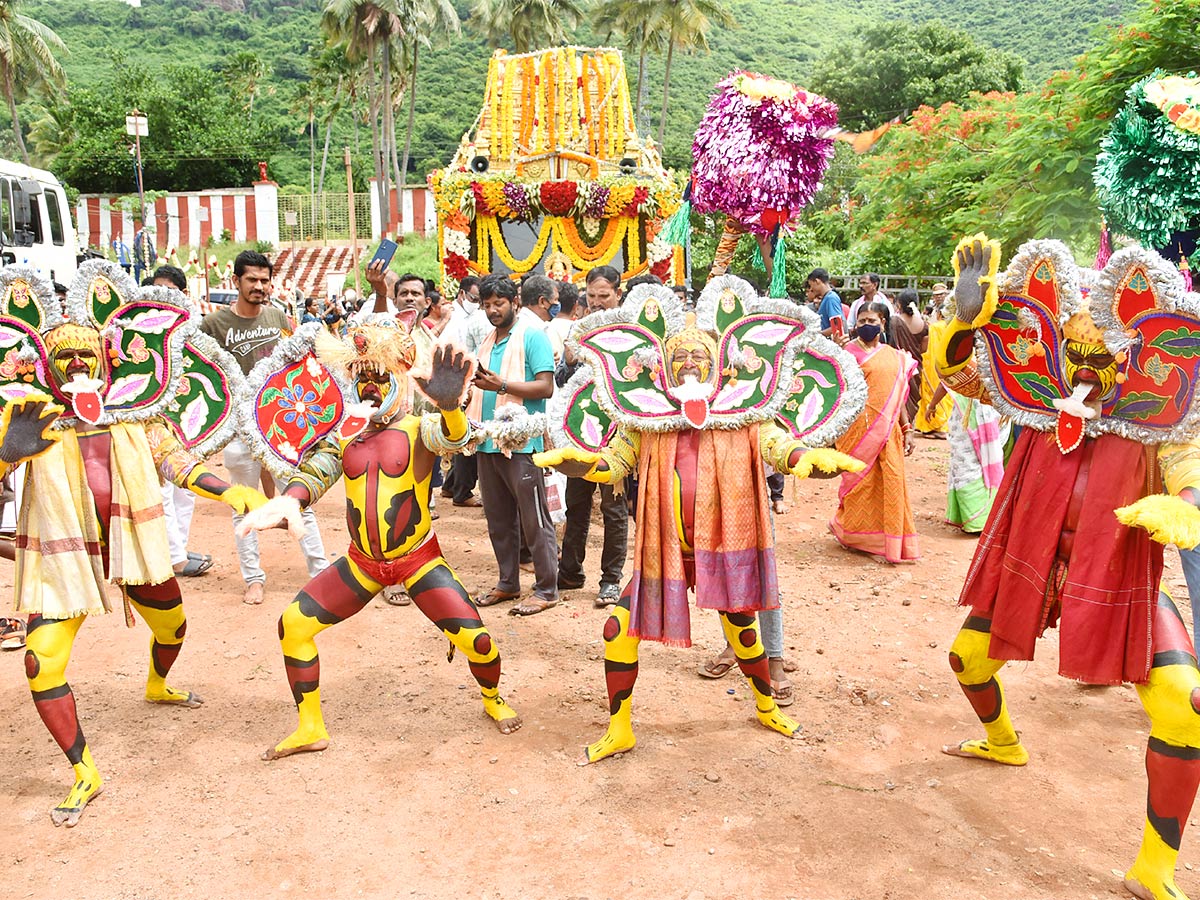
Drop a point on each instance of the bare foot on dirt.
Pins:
(85, 790)
(283, 750)
(254, 594)
(506, 718)
(170, 697)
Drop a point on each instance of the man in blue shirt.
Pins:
(829, 304)
(516, 365)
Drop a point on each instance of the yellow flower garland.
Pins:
(492, 241)
(510, 71)
(566, 239)
(493, 98)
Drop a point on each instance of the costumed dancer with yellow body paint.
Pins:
(1105, 388)
(145, 392)
(695, 405)
(386, 456)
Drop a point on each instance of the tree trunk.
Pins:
(324, 157)
(662, 122)
(376, 155)
(389, 126)
(412, 113)
(12, 111)
(641, 84)
(312, 165)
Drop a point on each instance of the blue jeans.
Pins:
(1191, 574)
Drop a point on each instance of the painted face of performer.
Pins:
(383, 389)
(1090, 364)
(691, 358)
(74, 350)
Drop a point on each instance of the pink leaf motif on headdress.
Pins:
(194, 415)
(615, 341)
(768, 333)
(810, 408)
(733, 396)
(647, 401)
(590, 431)
(155, 321)
(814, 375)
(126, 389)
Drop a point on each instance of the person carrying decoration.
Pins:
(97, 392)
(1105, 389)
(386, 455)
(695, 405)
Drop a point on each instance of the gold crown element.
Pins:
(1081, 328)
(690, 332)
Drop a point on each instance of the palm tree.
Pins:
(364, 27)
(52, 129)
(529, 24)
(432, 20)
(687, 23)
(27, 60)
(641, 24)
(244, 73)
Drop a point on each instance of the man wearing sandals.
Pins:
(516, 366)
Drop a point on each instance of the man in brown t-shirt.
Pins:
(249, 328)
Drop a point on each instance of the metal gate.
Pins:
(322, 217)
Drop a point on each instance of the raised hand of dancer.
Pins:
(449, 375)
(976, 262)
(25, 427)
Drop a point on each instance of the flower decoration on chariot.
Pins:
(1129, 352)
(740, 359)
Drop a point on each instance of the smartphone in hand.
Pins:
(835, 328)
(387, 249)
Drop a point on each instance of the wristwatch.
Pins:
(503, 387)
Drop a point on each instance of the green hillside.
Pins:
(780, 37)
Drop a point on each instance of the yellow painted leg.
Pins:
(741, 631)
(1171, 698)
(334, 595)
(976, 673)
(161, 606)
(48, 650)
(620, 674)
(443, 599)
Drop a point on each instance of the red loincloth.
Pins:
(1108, 595)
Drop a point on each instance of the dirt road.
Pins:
(420, 797)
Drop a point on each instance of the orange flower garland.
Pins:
(582, 256)
(492, 240)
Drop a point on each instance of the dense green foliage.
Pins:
(783, 39)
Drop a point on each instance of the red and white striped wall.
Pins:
(250, 214)
(413, 209)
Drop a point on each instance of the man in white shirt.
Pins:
(869, 285)
(570, 309)
(538, 294)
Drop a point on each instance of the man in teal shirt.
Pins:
(516, 365)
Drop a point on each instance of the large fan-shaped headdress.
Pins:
(153, 359)
(1138, 309)
(771, 363)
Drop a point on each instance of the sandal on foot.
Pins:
(200, 557)
(396, 595)
(783, 692)
(494, 596)
(717, 667)
(531, 606)
(194, 567)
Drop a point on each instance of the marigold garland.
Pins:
(582, 256)
(489, 227)
(510, 72)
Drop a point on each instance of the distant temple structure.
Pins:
(552, 177)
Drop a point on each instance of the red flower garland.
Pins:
(558, 197)
(456, 266)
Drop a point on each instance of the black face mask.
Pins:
(868, 333)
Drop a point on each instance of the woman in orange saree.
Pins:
(873, 513)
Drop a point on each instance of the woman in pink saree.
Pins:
(873, 514)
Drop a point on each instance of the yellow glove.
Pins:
(1170, 520)
(571, 461)
(242, 498)
(825, 463)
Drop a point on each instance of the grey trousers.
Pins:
(244, 469)
(579, 496)
(514, 502)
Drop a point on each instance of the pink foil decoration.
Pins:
(754, 155)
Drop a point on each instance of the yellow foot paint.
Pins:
(506, 718)
(1007, 754)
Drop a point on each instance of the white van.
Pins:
(35, 222)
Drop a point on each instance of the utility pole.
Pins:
(137, 127)
(353, 229)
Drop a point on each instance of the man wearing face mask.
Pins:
(386, 469)
(874, 515)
